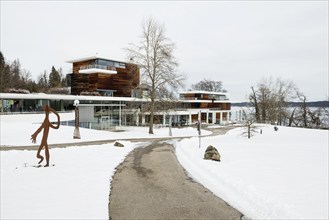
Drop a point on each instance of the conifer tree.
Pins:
(54, 78)
(15, 72)
(4, 74)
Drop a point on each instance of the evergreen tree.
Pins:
(54, 78)
(32, 86)
(4, 74)
(15, 79)
(15, 69)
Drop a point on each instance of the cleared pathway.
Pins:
(151, 184)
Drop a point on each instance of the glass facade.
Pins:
(103, 62)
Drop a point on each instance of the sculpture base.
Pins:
(76, 134)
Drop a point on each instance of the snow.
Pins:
(17, 131)
(273, 175)
(77, 187)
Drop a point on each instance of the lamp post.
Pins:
(76, 133)
(170, 122)
(199, 128)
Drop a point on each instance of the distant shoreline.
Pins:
(290, 104)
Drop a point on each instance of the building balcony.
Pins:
(209, 99)
(94, 68)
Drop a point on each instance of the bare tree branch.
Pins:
(155, 56)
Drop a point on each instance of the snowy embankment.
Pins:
(273, 175)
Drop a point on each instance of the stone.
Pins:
(118, 144)
(211, 153)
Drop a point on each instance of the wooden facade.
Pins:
(204, 100)
(119, 84)
(214, 106)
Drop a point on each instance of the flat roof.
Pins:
(203, 101)
(92, 58)
(45, 96)
(204, 92)
(64, 97)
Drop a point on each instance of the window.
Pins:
(104, 62)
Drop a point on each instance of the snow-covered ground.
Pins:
(17, 130)
(77, 187)
(273, 175)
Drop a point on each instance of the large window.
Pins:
(109, 63)
(217, 97)
(104, 62)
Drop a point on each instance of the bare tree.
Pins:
(63, 77)
(209, 85)
(154, 55)
(325, 115)
(26, 76)
(285, 92)
(270, 100)
(254, 102)
(306, 117)
(248, 124)
(43, 81)
(301, 119)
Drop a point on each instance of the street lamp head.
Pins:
(76, 103)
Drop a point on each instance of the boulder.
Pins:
(118, 144)
(211, 153)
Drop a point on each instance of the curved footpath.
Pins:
(151, 184)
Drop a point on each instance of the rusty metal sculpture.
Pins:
(46, 124)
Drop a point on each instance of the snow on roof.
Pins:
(63, 97)
(91, 58)
(204, 92)
(83, 97)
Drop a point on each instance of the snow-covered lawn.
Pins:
(275, 175)
(281, 174)
(17, 130)
(77, 187)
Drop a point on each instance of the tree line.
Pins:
(15, 79)
(271, 101)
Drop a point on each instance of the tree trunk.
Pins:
(249, 131)
(256, 105)
(151, 117)
(152, 110)
(304, 115)
(291, 119)
(151, 122)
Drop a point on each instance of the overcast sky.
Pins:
(237, 42)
